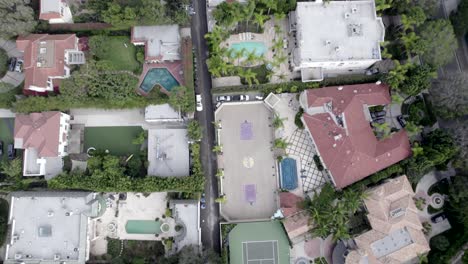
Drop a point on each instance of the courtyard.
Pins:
(132, 216)
(250, 180)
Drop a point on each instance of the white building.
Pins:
(50, 227)
(333, 38)
(162, 43)
(44, 138)
(55, 11)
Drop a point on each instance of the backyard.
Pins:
(118, 140)
(115, 51)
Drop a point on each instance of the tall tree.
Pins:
(16, 18)
(437, 42)
(182, 98)
(449, 95)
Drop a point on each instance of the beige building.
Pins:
(396, 235)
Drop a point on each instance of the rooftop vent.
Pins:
(338, 137)
(42, 50)
(355, 91)
(397, 212)
(347, 15)
(340, 88)
(50, 213)
(18, 256)
(327, 42)
(354, 10)
(334, 145)
(337, 48)
(57, 257)
(378, 82)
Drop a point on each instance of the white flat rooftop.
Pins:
(162, 42)
(168, 152)
(48, 227)
(161, 112)
(338, 31)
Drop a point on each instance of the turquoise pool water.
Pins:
(259, 47)
(159, 76)
(143, 227)
(288, 171)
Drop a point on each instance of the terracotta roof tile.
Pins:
(351, 152)
(38, 76)
(39, 131)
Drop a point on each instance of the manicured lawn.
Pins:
(118, 140)
(6, 134)
(118, 52)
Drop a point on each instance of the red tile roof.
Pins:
(352, 153)
(290, 203)
(49, 15)
(39, 131)
(37, 76)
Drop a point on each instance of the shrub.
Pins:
(318, 163)
(440, 243)
(3, 62)
(297, 118)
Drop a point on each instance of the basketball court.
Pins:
(250, 180)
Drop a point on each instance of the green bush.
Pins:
(3, 62)
(440, 243)
(318, 163)
(108, 175)
(297, 118)
(4, 209)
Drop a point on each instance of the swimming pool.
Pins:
(143, 227)
(258, 47)
(288, 170)
(160, 76)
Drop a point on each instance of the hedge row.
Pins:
(297, 86)
(107, 182)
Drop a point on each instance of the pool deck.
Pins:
(175, 68)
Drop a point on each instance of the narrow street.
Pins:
(209, 217)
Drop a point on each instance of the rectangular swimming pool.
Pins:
(258, 47)
(143, 227)
(288, 170)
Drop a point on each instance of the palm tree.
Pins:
(271, 4)
(410, 42)
(353, 200)
(278, 121)
(381, 5)
(422, 259)
(280, 143)
(249, 76)
(238, 55)
(417, 150)
(251, 58)
(412, 129)
(260, 19)
(218, 149)
(217, 124)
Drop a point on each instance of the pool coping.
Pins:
(174, 69)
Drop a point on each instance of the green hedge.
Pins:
(374, 179)
(4, 209)
(297, 86)
(118, 182)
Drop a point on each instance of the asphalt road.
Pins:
(210, 216)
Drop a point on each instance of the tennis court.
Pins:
(258, 243)
(260, 252)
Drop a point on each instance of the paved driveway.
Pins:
(13, 78)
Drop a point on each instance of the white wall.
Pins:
(64, 128)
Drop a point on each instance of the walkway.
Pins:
(13, 78)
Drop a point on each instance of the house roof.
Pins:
(161, 42)
(50, 9)
(44, 56)
(343, 31)
(351, 151)
(296, 221)
(39, 131)
(396, 235)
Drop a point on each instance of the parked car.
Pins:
(401, 120)
(259, 97)
(223, 98)
(199, 103)
(11, 151)
(12, 64)
(244, 97)
(19, 66)
(438, 218)
(1, 148)
(236, 97)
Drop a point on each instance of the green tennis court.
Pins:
(258, 243)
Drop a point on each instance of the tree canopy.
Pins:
(450, 94)
(182, 98)
(460, 19)
(437, 42)
(16, 18)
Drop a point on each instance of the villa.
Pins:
(48, 59)
(346, 38)
(338, 121)
(44, 138)
(162, 43)
(50, 227)
(396, 235)
(55, 11)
